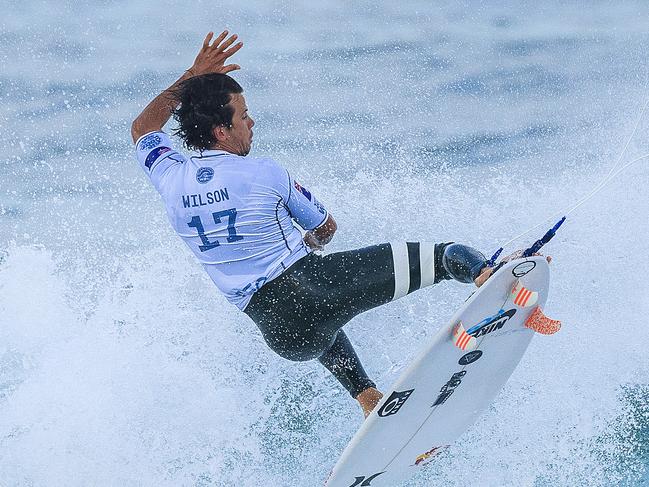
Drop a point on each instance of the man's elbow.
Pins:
(333, 226)
(137, 130)
(326, 231)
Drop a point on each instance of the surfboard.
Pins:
(453, 380)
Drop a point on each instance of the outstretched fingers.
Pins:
(219, 39)
(233, 49)
(547, 257)
(220, 47)
(230, 67)
(214, 52)
(208, 38)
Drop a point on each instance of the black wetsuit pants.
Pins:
(301, 313)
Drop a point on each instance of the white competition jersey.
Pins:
(236, 213)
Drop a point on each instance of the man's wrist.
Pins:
(312, 240)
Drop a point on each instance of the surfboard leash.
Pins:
(615, 171)
(536, 246)
(533, 249)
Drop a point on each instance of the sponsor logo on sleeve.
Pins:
(425, 458)
(319, 206)
(493, 323)
(149, 142)
(523, 268)
(363, 481)
(204, 174)
(153, 155)
(448, 389)
(302, 190)
(394, 403)
(469, 358)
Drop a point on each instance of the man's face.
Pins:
(239, 136)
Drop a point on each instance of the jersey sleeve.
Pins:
(156, 156)
(303, 206)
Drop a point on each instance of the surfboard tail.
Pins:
(540, 323)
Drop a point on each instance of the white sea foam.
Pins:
(121, 365)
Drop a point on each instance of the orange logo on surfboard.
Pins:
(436, 450)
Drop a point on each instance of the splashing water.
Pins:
(121, 365)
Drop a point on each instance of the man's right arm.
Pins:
(210, 59)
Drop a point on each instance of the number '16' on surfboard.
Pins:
(453, 380)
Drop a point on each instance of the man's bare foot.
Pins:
(368, 399)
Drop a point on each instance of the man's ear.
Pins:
(220, 133)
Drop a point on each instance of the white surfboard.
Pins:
(446, 389)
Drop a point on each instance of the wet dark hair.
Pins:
(204, 104)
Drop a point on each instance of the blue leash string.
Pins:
(535, 247)
(617, 169)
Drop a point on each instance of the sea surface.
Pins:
(120, 363)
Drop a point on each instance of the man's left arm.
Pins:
(322, 235)
(210, 59)
(309, 213)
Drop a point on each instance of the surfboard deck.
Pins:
(446, 389)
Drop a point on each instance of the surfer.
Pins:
(241, 216)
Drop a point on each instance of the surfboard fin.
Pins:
(540, 323)
(462, 340)
(522, 296)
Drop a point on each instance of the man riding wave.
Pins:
(255, 228)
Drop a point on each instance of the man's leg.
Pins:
(413, 266)
(418, 265)
(301, 313)
(341, 360)
(352, 282)
(366, 278)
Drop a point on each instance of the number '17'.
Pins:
(232, 232)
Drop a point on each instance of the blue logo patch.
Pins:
(204, 174)
(493, 323)
(149, 142)
(153, 155)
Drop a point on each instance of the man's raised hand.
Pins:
(211, 58)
